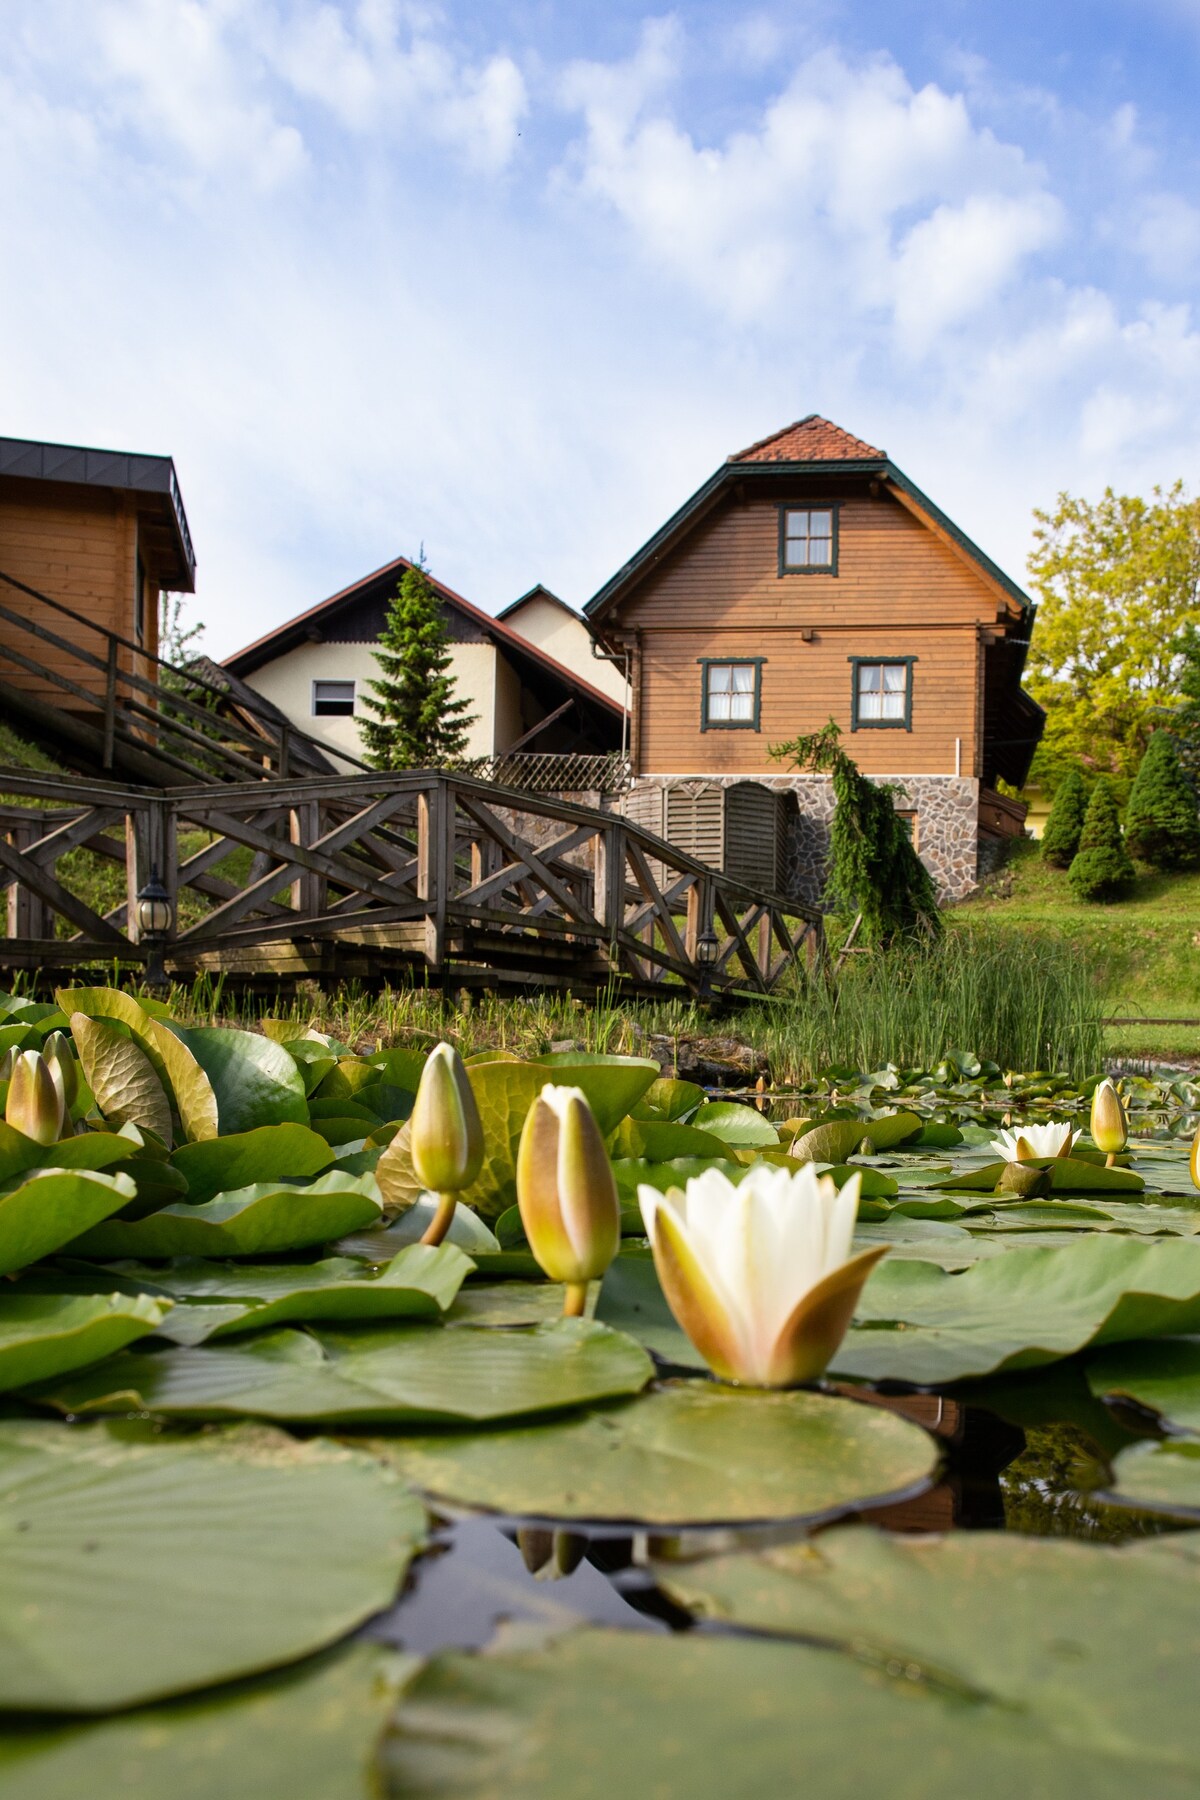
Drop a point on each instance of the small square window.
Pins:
(808, 540)
(730, 695)
(333, 699)
(882, 694)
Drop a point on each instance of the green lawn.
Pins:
(1146, 949)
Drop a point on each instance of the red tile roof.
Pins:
(813, 439)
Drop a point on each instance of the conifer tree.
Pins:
(1101, 869)
(873, 868)
(1060, 839)
(418, 722)
(1162, 826)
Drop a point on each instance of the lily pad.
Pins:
(88, 1150)
(631, 1300)
(52, 1208)
(1160, 1477)
(270, 1153)
(1163, 1377)
(1088, 1644)
(1030, 1306)
(44, 1335)
(380, 1243)
(420, 1282)
(689, 1452)
(743, 1126)
(214, 1552)
(121, 1076)
(737, 1717)
(254, 1221)
(659, 1140)
(254, 1080)
(310, 1733)
(390, 1375)
(1068, 1175)
(613, 1084)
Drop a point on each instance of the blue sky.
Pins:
(511, 280)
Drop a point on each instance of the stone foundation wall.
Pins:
(946, 806)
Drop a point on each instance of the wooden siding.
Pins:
(80, 546)
(899, 592)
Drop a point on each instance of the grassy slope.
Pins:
(1146, 949)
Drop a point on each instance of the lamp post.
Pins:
(155, 917)
(707, 952)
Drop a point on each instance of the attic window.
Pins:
(808, 540)
(731, 695)
(333, 699)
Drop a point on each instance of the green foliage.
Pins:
(418, 722)
(1060, 839)
(1117, 581)
(1185, 717)
(1162, 826)
(1101, 870)
(873, 868)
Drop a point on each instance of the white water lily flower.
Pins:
(1033, 1141)
(760, 1274)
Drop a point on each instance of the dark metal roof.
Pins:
(110, 469)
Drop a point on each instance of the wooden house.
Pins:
(524, 702)
(99, 533)
(810, 579)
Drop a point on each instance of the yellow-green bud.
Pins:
(1195, 1163)
(446, 1135)
(1110, 1128)
(59, 1053)
(34, 1104)
(565, 1188)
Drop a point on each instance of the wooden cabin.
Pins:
(315, 668)
(810, 579)
(88, 541)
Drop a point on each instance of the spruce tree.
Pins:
(1101, 869)
(1060, 839)
(1161, 822)
(418, 722)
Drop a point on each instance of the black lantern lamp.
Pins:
(155, 917)
(707, 952)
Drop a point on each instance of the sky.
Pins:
(510, 280)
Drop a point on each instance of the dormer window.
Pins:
(808, 540)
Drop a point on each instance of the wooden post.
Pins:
(28, 914)
(110, 703)
(434, 806)
(145, 854)
(309, 891)
(609, 877)
(763, 949)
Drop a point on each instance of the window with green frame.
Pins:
(881, 693)
(808, 540)
(731, 694)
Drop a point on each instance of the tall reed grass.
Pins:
(1021, 1000)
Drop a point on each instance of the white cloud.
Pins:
(810, 215)
(1166, 232)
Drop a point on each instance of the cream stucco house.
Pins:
(545, 620)
(315, 669)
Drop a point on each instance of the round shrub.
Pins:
(1101, 869)
(1060, 839)
(1161, 822)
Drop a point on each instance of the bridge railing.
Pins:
(438, 874)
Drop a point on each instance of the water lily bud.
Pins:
(64, 1069)
(446, 1136)
(566, 1191)
(6, 1064)
(1195, 1163)
(34, 1104)
(1110, 1128)
(550, 1555)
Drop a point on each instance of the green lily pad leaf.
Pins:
(310, 1733)
(743, 1126)
(270, 1153)
(254, 1080)
(1068, 1175)
(669, 1098)
(259, 1220)
(1028, 1307)
(659, 1140)
(467, 1231)
(420, 1282)
(933, 1136)
(633, 1172)
(43, 1335)
(632, 1301)
(1042, 1627)
(689, 1452)
(507, 1303)
(873, 1183)
(892, 1128)
(215, 1552)
(398, 1374)
(90, 1150)
(195, 1099)
(121, 1076)
(1163, 1377)
(613, 1084)
(1159, 1477)
(52, 1208)
(832, 1142)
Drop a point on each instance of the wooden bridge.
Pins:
(423, 875)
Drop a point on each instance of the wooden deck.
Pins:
(421, 876)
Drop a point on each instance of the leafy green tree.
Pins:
(873, 868)
(1162, 825)
(1101, 869)
(1117, 581)
(1060, 839)
(1184, 719)
(418, 722)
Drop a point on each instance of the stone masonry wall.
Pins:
(946, 806)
